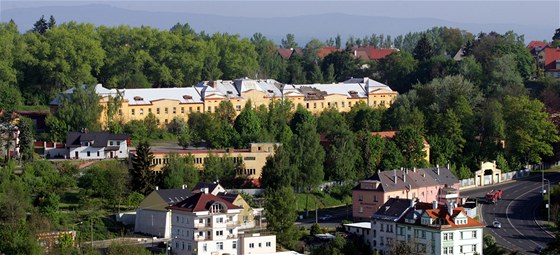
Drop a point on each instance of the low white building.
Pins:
(205, 224)
(152, 216)
(97, 145)
(426, 228)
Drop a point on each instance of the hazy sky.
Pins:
(533, 13)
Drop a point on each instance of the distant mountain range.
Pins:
(304, 28)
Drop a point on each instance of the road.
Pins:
(518, 212)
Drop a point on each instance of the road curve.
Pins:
(517, 211)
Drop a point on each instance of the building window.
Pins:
(120, 112)
(174, 110)
(149, 110)
(234, 245)
(220, 220)
(132, 111)
(198, 108)
(238, 108)
(88, 154)
(182, 109)
(268, 244)
(375, 198)
(474, 234)
(342, 104)
(251, 245)
(141, 111)
(447, 236)
(204, 247)
(165, 110)
(460, 249)
(98, 153)
(249, 158)
(314, 105)
(219, 233)
(157, 110)
(220, 246)
(360, 197)
(190, 108)
(260, 245)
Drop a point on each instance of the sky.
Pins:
(518, 12)
(538, 14)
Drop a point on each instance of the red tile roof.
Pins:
(385, 134)
(372, 53)
(442, 214)
(536, 44)
(201, 202)
(550, 57)
(285, 53)
(323, 51)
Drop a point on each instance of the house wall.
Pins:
(381, 99)
(257, 244)
(383, 235)
(99, 153)
(253, 159)
(152, 222)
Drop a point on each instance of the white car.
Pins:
(496, 224)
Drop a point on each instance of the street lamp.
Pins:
(548, 202)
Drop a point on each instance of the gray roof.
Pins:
(444, 177)
(172, 196)
(99, 139)
(392, 209)
(421, 177)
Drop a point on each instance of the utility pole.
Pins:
(548, 201)
(316, 213)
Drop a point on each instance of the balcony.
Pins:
(202, 225)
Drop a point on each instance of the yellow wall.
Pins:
(176, 109)
(253, 158)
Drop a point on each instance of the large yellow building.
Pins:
(169, 103)
(253, 158)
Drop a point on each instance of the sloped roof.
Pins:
(370, 85)
(392, 209)
(147, 96)
(172, 196)
(319, 91)
(285, 53)
(536, 45)
(323, 51)
(550, 57)
(444, 177)
(200, 202)
(99, 139)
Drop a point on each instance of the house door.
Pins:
(76, 154)
(111, 154)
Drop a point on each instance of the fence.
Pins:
(488, 178)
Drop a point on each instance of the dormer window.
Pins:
(217, 208)
(229, 92)
(270, 91)
(137, 98)
(187, 97)
(352, 92)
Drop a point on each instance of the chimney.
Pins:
(205, 190)
(214, 84)
(404, 177)
(157, 188)
(184, 186)
(434, 205)
(450, 207)
(448, 166)
(414, 169)
(395, 175)
(437, 167)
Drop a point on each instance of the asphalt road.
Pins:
(518, 212)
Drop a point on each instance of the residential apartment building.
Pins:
(205, 224)
(549, 58)
(427, 228)
(97, 145)
(423, 184)
(253, 158)
(169, 103)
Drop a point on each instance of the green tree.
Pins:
(108, 180)
(124, 249)
(397, 70)
(410, 142)
(40, 25)
(221, 169)
(344, 64)
(423, 50)
(277, 171)
(225, 112)
(307, 155)
(76, 111)
(392, 157)
(178, 171)
(248, 125)
(281, 214)
(10, 98)
(529, 132)
(143, 178)
(289, 42)
(26, 138)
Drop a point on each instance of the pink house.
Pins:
(424, 184)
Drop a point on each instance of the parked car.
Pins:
(496, 224)
(326, 217)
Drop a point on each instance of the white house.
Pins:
(427, 228)
(97, 145)
(205, 224)
(152, 217)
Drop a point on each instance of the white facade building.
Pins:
(426, 228)
(205, 224)
(96, 145)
